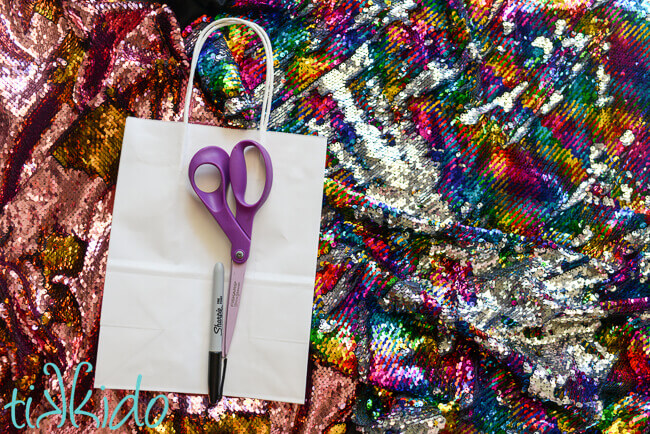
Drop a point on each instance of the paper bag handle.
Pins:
(268, 52)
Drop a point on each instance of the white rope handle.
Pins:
(268, 51)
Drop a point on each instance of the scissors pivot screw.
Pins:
(239, 254)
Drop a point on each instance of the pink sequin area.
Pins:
(71, 72)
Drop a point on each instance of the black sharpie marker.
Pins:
(215, 379)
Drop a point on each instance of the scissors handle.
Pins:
(238, 177)
(232, 170)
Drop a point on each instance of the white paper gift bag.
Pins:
(155, 319)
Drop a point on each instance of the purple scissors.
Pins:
(238, 227)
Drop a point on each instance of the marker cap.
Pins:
(215, 377)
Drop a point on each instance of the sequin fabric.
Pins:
(483, 260)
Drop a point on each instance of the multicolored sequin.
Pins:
(483, 263)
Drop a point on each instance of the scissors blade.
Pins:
(237, 272)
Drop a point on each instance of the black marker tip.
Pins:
(215, 383)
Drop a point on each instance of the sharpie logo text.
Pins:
(66, 407)
(219, 323)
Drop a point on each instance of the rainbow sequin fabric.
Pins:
(484, 254)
